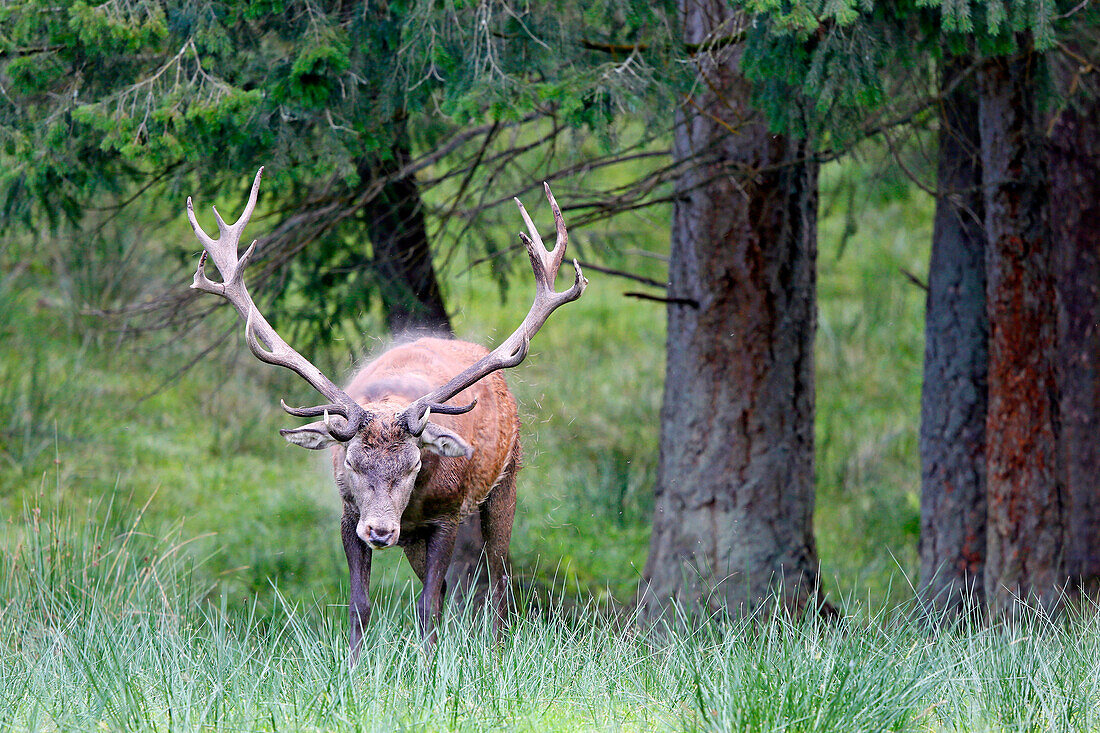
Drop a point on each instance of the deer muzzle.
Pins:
(379, 535)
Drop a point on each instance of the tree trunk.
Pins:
(1074, 159)
(402, 262)
(1025, 533)
(956, 361)
(734, 493)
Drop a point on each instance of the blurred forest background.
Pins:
(394, 136)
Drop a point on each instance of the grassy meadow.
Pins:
(108, 627)
(169, 562)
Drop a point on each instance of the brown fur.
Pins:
(446, 489)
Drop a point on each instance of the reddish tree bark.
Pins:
(1025, 531)
(735, 494)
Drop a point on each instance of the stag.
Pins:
(407, 480)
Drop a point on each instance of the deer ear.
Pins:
(444, 442)
(314, 436)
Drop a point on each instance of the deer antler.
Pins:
(510, 353)
(262, 339)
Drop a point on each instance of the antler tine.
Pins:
(546, 262)
(351, 427)
(223, 250)
(316, 411)
(563, 235)
(531, 228)
(262, 339)
(537, 252)
(204, 238)
(238, 226)
(514, 349)
(250, 206)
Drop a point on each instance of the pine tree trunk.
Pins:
(402, 262)
(956, 361)
(735, 492)
(1074, 159)
(1025, 533)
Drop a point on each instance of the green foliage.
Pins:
(314, 76)
(995, 20)
(99, 100)
(306, 89)
(123, 26)
(824, 68)
(34, 76)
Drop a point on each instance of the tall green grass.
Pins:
(106, 626)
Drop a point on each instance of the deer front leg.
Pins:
(359, 556)
(439, 547)
(497, 515)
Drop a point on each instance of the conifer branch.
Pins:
(30, 50)
(615, 49)
(626, 49)
(716, 44)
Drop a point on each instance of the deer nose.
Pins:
(379, 538)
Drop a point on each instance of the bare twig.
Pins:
(623, 274)
(689, 302)
(914, 279)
